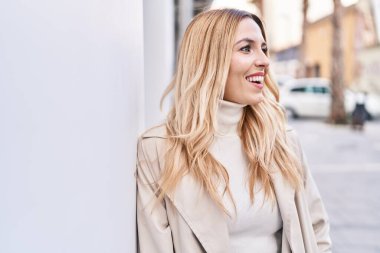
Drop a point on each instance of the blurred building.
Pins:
(360, 42)
(285, 62)
(369, 69)
(368, 57)
(358, 33)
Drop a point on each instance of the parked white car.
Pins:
(310, 97)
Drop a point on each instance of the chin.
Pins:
(256, 100)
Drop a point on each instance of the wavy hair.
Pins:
(198, 86)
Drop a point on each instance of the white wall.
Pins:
(158, 56)
(71, 83)
(185, 14)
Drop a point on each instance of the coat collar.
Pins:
(208, 222)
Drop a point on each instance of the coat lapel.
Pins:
(285, 195)
(204, 217)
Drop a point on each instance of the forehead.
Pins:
(248, 28)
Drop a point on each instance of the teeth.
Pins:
(255, 79)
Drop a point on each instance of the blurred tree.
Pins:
(302, 55)
(337, 113)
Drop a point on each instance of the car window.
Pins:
(303, 89)
(320, 90)
(299, 89)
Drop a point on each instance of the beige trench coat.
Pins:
(188, 221)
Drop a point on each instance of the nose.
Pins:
(262, 60)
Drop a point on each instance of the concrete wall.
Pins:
(158, 56)
(71, 101)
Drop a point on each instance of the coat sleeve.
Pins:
(318, 214)
(153, 229)
(317, 210)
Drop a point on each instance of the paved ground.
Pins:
(346, 167)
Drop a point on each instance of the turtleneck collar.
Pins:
(228, 116)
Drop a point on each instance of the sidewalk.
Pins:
(346, 167)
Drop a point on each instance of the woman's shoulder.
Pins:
(293, 139)
(291, 134)
(158, 131)
(150, 151)
(289, 129)
(150, 144)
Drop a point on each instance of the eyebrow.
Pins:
(249, 41)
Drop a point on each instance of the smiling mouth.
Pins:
(255, 79)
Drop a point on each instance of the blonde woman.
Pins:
(224, 174)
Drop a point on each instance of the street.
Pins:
(346, 168)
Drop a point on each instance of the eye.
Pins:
(264, 47)
(246, 49)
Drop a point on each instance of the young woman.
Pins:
(224, 173)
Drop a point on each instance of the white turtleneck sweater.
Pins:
(253, 228)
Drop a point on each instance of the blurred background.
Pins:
(80, 80)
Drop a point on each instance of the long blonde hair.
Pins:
(198, 85)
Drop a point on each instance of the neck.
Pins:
(228, 115)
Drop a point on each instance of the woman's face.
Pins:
(248, 66)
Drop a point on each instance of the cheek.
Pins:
(239, 66)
